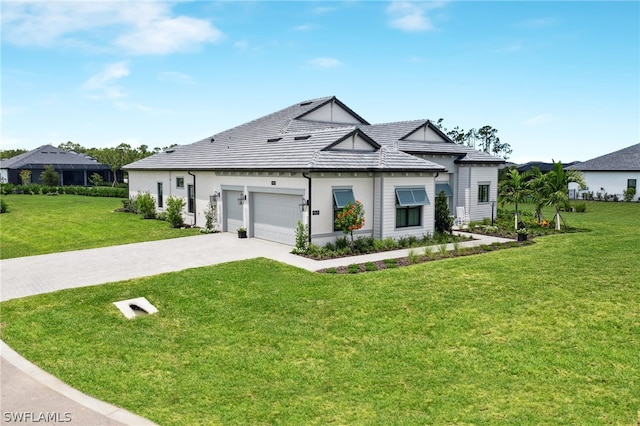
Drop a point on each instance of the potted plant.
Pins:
(242, 232)
(522, 234)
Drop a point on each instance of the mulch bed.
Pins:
(422, 258)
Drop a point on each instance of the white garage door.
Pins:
(232, 211)
(275, 217)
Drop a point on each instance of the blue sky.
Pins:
(559, 80)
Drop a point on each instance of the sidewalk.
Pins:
(28, 391)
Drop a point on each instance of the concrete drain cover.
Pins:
(132, 308)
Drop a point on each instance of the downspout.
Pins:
(195, 210)
(309, 208)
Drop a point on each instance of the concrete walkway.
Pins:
(30, 392)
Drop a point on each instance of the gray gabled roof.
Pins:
(627, 159)
(287, 140)
(49, 154)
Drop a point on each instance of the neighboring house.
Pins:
(544, 167)
(74, 168)
(307, 161)
(610, 173)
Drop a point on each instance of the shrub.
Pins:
(342, 243)
(413, 256)
(174, 211)
(581, 207)
(363, 245)
(302, 239)
(353, 268)
(130, 205)
(4, 207)
(161, 216)
(147, 205)
(7, 188)
(443, 221)
(331, 271)
(49, 176)
(211, 219)
(628, 194)
(391, 263)
(370, 266)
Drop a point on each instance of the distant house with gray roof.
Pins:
(306, 161)
(74, 168)
(610, 173)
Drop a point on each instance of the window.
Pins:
(191, 201)
(180, 182)
(631, 183)
(160, 195)
(409, 202)
(341, 197)
(483, 193)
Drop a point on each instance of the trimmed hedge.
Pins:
(89, 191)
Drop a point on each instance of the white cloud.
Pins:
(325, 62)
(141, 27)
(102, 85)
(412, 17)
(167, 35)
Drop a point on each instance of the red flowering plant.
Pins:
(350, 219)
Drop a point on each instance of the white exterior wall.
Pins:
(209, 182)
(481, 175)
(322, 203)
(389, 183)
(469, 177)
(609, 182)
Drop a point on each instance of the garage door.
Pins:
(232, 211)
(275, 217)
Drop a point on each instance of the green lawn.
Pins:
(40, 224)
(544, 334)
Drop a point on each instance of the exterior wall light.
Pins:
(304, 205)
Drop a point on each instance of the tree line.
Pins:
(115, 158)
(483, 139)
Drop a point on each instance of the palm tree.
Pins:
(514, 190)
(557, 187)
(537, 186)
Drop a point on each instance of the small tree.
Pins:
(49, 176)
(25, 176)
(350, 219)
(211, 219)
(302, 239)
(96, 179)
(443, 219)
(513, 190)
(174, 211)
(557, 187)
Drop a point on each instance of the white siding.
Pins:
(389, 183)
(482, 175)
(354, 143)
(426, 134)
(331, 113)
(322, 202)
(609, 182)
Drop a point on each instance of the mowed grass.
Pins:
(40, 224)
(544, 334)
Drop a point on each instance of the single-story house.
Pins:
(307, 161)
(74, 168)
(610, 173)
